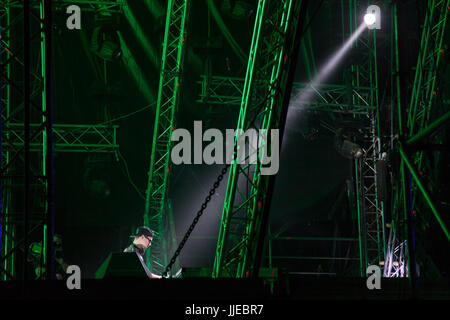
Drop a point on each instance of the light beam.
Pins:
(307, 93)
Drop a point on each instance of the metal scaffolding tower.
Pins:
(28, 136)
(370, 207)
(265, 96)
(27, 179)
(156, 216)
(421, 117)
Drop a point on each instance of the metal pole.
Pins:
(436, 124)
(27, 198)
(48, 117)
(425, 193)
(361, 232)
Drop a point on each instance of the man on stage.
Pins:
(142, 239)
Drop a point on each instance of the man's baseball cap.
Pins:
(142, 230)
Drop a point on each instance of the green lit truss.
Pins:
(327, 97)
(370, 208)
(157, 213)
(67, 138)
(332, 98)
(85, 5)
(245, 211)
(417, 123)
(43, 135)
(13, 165)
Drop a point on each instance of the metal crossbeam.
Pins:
(67, 138)
(168, 99)
(111, 6)
(243, 226)
(327, 97)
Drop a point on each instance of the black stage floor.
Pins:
(202, 298)
(227, 290)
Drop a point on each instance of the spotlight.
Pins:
(109, 50)
(370, 19)
(346, 147)
(350, 150)
(105, 42)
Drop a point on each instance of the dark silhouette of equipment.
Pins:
(121, 265)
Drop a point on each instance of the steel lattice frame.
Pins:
(67, 137)
(7, 234)
(168, 98)
(242, 227)
(18, 166)
(326, 97)
(427, 64)
(423, 90)
(111, 6)
(370, 208)
(417, 118)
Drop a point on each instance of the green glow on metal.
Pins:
(135, 70)
(370, 209)
(425, 193)
(427, 64)
(232, 180)
(362, 258)
(44, 132)
(9, 228)
(375, 84)
(172, 59)
(437, 123)
(309, 46)
(140, 35)
(5, 194)
(236, 253)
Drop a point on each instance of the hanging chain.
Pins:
(194, 222)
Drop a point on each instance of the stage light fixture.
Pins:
(372, 18)
(347, 148)
(105, 42)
